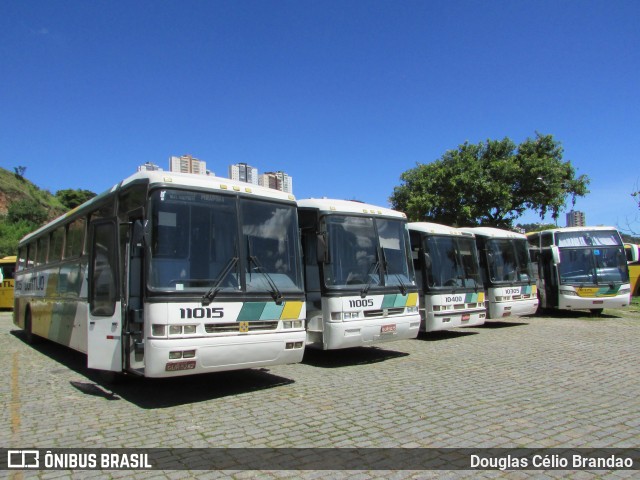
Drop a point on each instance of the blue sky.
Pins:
(342, 95)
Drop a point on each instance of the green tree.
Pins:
(28, 211)
(536, 227)
(73, 198)
(491, 183)
(10, 235)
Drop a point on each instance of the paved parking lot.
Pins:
(534, 382)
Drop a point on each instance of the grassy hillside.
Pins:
(14, 188)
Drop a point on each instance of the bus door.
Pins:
(104, 342)
(134, 315)
(549, 279)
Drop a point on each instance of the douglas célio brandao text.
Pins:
(544, 462)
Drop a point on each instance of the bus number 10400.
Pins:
(365, 302)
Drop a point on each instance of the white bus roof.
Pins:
(179, 180)
(347, 206)
(437, 229)
(205, 181)
(492, 232)
(576, 229)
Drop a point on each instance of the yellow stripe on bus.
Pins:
(291, 311)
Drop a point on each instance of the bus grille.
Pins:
(383, 312)
(234, 327)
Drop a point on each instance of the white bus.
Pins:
(168, 274)
(448, 275)
(581, 268)
(359, 279)
(507, 272)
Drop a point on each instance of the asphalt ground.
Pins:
(560, 381)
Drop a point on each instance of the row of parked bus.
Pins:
(168, 274)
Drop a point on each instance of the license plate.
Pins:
(466, 317)
(176, 366)
(388, 329)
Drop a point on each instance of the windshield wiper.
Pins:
(207, 298)
(375, 266)
(275, 292)
(402, 286)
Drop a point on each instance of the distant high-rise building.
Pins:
(149, 167)
(243, 173)
(278, 181)
(187, 164)
(576, 219)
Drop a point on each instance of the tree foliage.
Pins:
(536, 227)
(72, 198)
(27, 210)
(491, 183)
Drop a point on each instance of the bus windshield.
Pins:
(451, 262)
(591, 257)
(202, 241)
(508, 260)
(367, 252)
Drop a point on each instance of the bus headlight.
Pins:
(624, 291)
(292, 324)
(189, 329)
(412, 309)
(158, 330)
(351, 315)
(336, 316)
(175, 329)
(569, 293)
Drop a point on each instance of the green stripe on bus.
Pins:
(608, 291)
(471, 298)
(251, 311)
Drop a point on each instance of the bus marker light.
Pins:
(189, 354)
(298, 345)
(175, 355)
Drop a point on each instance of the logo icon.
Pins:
(23, 459)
